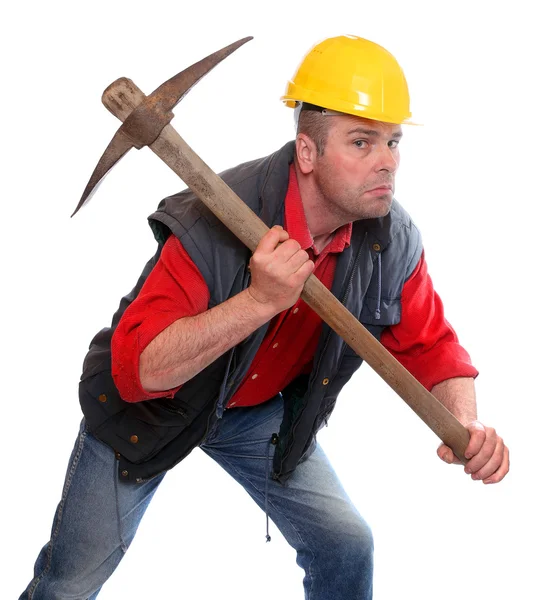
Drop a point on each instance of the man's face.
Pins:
(356, 173)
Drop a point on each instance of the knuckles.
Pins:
(292, 245)
(302, 254)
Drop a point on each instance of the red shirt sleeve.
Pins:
(174, 289)
(424, 342)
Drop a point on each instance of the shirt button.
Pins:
(325, 381)
(275, 345)
(254, 376)
(102, 398)
(295, 310)
(134, 439)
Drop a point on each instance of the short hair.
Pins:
(315, 125)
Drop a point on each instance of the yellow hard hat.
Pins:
(351, 75)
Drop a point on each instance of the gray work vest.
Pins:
(369, 277)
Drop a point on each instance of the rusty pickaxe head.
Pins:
(144, 124)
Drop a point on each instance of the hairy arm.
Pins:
(279, 269)
(458, 396)
(192, 343)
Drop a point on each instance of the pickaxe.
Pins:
(145, 122)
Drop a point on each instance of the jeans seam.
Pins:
(279, 510)
(60, 509)
(123, 544)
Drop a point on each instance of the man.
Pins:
(213, 347)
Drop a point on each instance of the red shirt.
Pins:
(423, 341)
(291, 340)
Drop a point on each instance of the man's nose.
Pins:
(387, 159)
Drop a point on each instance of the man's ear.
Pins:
(306, 153)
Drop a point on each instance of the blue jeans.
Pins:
(98, 515)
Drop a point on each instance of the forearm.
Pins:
(190, 344)
(458, 396)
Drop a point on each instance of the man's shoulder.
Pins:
(391, 224)
(400, 216)
(259, 168)
(406, 235)
(185, 209)
(245, 179)
(397, 233)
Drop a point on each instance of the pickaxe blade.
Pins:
(144, 124)
(170, 93)
(119, 145)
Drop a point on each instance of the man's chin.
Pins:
(381, 208)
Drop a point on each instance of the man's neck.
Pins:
(321, 221)
(321, 241)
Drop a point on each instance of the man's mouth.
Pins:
(382, 189)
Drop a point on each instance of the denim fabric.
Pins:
(98, 515)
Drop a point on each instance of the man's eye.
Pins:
(360, 143)
(393, 143)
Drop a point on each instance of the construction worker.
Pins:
(213, 348)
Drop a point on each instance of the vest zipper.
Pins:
(345, 296)
(378, 307)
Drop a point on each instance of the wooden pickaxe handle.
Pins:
(121, 97)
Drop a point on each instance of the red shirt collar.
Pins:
(296, 223)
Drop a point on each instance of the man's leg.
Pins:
(94, 524)
(333, 542)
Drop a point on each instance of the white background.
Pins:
(473, 178)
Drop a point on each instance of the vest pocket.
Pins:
(142, 430)
(389, 314)
(137, 431)
(389, 311)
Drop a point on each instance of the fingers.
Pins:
(271, 239)
(492, 463)
(276, 252)
(487, 453)
(276, 248)
(445, 453)
(290, 252)
(296, 260)
(478, 437)
(489, 457)
(481, 448)
(305, 270)
(279, 270)
(500, 473)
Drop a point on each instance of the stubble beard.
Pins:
(347, 204)
(353, 206)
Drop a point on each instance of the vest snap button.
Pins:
(134, 439)
(124, 473)
(325, 381)
(376, 247)
(102, 398)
